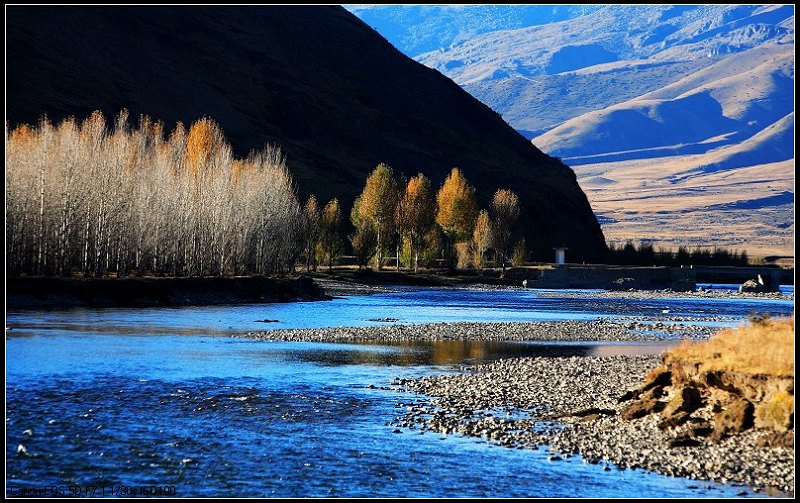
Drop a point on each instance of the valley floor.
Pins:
(664, 201)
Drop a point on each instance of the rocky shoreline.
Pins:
(366, 285)
(667, 294)
(596, 330)
(573, 405)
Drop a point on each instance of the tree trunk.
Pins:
(414, 252)
(40, 254)
(378, 253)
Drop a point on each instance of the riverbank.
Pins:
(56, 292)
(596, 330)
(358, 283)
(572, 404)
(50, 293)
(669, 294)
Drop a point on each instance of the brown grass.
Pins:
(778, 410)
(765, 347)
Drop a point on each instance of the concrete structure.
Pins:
(561, 256)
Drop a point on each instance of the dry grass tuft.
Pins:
(778, 410)
(765, 347)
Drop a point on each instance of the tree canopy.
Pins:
(457, 207)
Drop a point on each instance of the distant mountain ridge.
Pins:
(636, 49)
(416, 29)
(698, 90)
(330, 91)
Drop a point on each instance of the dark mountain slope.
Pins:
(332, 92)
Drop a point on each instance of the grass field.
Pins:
(764, 347)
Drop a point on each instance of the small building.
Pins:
(561, 253)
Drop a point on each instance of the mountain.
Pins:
(724, 103)
(696, 90)
(540, 76)
(332, 92)
(415, 29)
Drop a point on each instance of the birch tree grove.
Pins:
(85, 198)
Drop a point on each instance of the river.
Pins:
(110, 400)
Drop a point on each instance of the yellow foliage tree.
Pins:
(377, 205)
(505, 209)
(481, 239)
(418, 215)
(330, 240)
(205, 139)
(457, 207)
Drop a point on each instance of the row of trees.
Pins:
(406, 218)
(646, 255)
(97, 200)
(83, 197)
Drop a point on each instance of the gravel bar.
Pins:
(664, 294)
(572, 405)
(596, 330)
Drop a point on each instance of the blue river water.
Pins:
(108, 401)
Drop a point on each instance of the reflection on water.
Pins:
(460, 352)
(408, 353)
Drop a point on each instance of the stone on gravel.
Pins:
(684, 442)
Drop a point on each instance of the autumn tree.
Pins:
(457, 208)
(400, 219)
(432, 246)
(505, 212)
(481, 239)
(312, 220)
(520, 254)
(418, 214)
(363, 242)
(205, 145)
(330, 240)
(376, 206)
